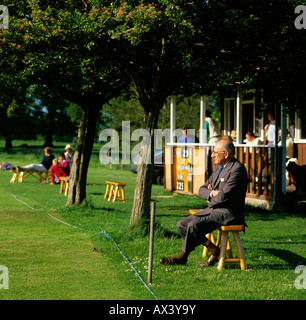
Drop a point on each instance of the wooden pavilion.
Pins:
(187, 165)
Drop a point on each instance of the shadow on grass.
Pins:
(96, 194)
(161, 230)
(291, 258)
(255, 213)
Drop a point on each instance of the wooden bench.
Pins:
(113, 189)
(226, 249)
(42, 177)
(64, 185)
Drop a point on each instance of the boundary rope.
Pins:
(70, 225)
(103, 233)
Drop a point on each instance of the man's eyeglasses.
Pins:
(218, 152)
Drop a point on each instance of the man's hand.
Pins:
(215, 192)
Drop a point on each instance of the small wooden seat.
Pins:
(225, 244)
(64, 185)
(113, 189)
(235, 229)
(42, 177)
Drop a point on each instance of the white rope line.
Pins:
(70, 225)
(101, 233)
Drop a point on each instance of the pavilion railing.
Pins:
(259, 163)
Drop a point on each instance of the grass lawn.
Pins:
(51, 260)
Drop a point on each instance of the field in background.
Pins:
(50, 260)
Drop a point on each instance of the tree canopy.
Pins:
(89, 50)
(51, 43)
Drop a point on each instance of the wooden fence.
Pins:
(181, 172)
(259, 163)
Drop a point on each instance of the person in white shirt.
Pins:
(289, 145)
(69, 154)
(270, 130)
(212, 127)
(250, 139)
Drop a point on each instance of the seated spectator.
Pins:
(6, 166)
(59, 169)
(250, 139)
(289, 144)
(186, 137)
(44, 166)
(69, 154)
(234, 135)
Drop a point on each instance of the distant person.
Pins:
(45, 164)
(251, 139)
(59, 169)
(186, 137)
(212, 127)
(234, 135)
(270, 130)
(6, 166)
(289, 145)
(270, 134)
(69, 154)
(292, 131)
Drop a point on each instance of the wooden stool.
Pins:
(113, 191)
(235, 229)
(225, 244)
(64, 185)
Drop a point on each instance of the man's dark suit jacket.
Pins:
(227, 208)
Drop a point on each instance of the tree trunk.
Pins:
(8, 141)
(78, 174)
(142, 195)
(48, 140)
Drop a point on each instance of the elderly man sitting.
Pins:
(225, 190)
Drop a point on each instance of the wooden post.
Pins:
(203, 134)
(172, 118)
(283, 143)
(239, 116)
(153, 205)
